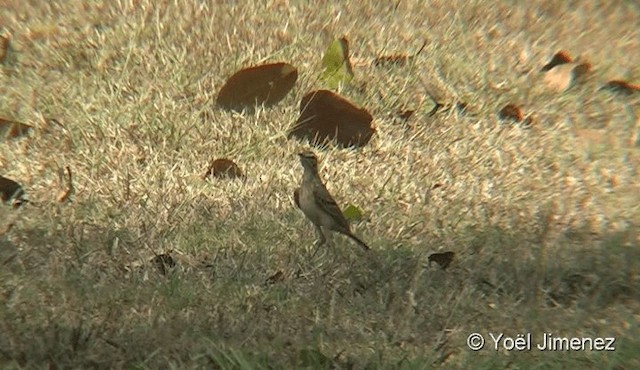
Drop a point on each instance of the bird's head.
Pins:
(309, 160)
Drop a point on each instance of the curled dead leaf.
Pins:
(65, 194)
(11, 192)
(265, 84)
(511, 112)
(406, 114)
(396, 59)
(13, 129)
(621, 87)
(528, 121)
(5, 44)
(442, 259)
(163, 262)
(388, 60)
(325, 116)
(275, 278)
(562, 77)
(224, 168)
(561, 57)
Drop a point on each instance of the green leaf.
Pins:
(352, 213)
(337, 67)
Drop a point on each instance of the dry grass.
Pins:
(544, 220)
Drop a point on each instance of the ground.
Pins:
(543, 220)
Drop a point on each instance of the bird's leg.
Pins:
(329, 239)
(321, 239)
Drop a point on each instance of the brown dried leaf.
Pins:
(266, 84)
(528, 121)
(163, 262)
(5, 44)
(443, 259)
(564, 76)
(389, 60)
(325, 116)
(406, 114)
(275, 278)
(561, 57)
(622, 87)
(11, 191)
(511, 112)
(65, 194)
(224, 168)
(396, 59)
(13, 129)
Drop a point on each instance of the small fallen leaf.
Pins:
(224, 168)
(163, 262)
(406, 114)
(336, 64)
(5, 47)
(561, 57)
(11, 191)
(352, 213)
(275, 278)
(562, 77)
(443, 259)
(265, 84)
(511, 112)
(396, 59)
(437, 106)
(13, 129)
(64, 195)
(388, 60)
(325, 116)
(621, 87)
(462, 107)
(528, 121)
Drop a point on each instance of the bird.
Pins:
(317, 204)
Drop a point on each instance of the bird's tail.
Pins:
(360, 242)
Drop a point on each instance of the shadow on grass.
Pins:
(255, 299)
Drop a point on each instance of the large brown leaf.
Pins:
(224, 168)
(325, 116)
(266, 84)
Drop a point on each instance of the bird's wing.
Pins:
(325, 202)
(296, 197)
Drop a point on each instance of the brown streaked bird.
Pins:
(315, 201)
